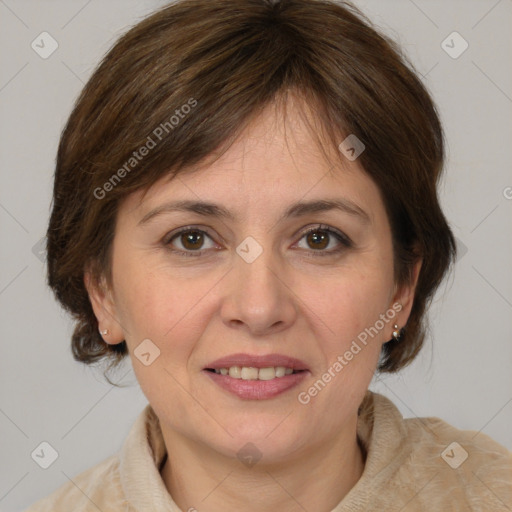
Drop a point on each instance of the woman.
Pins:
(246, 205)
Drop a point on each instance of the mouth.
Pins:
(253, 373)
(256, 377)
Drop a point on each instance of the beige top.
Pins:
(419, 464)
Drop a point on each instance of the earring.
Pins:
(106, 332)
(396, 333)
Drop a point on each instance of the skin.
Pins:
(289, 301)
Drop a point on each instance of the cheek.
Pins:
(349, 303)
(348, 312)
(169, 312)
(162, 306)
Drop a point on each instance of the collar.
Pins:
(380, 432)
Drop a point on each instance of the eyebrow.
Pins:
(298, 209)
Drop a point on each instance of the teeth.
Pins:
(266, 373)
(280, 371)
(251, 373)
(235, 372)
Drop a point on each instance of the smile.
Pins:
(257, 382)
(256, 377)
(251, 373)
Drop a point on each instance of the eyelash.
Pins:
(344, 240)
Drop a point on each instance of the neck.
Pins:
(318, 478)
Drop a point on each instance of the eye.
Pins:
(323, 240)
(320, 241)
(190, 240)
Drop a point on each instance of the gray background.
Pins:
(463, 374)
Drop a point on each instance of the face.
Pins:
(270, 273)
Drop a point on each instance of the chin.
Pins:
(268, 442)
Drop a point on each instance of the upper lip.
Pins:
(264, 361)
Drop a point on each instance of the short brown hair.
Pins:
(232, 58)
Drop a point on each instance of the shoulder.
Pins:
(456, 466)
(439, 431)
(426, 464)
(117, 480)
(97, 487)
(462, 450)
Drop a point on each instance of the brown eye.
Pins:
(324, 241)
(192, 240)
(317, 239)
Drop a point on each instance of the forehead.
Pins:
(276, 160)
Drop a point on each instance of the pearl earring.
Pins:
(105, 332)
(396, 332)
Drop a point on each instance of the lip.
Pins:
(255, 361)
(257, 389)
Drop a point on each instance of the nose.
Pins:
(258, 298)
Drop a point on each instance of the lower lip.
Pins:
(257, 389)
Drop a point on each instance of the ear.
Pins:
(405, 296)
(104, 307)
